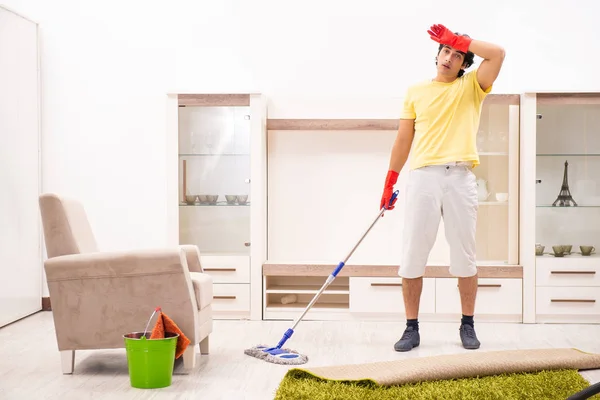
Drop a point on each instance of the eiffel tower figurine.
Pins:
(564, 198)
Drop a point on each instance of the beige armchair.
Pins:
(97, 297)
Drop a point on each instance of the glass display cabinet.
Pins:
(221, 169)
(498, 181)
(567, 201)
(214, 173)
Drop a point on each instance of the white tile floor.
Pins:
(30, 363)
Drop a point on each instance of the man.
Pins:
(439, 120)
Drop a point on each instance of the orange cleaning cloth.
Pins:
(166, 324)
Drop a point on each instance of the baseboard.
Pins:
(46, 304)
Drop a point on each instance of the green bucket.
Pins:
(150, 361)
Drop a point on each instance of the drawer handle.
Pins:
(574, 272)
(573, 300)
(386, 284)
(221, 269)
(224, 297)
(488, 285)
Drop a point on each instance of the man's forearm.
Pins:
(399, 155)
(486, 50)
(402, 144)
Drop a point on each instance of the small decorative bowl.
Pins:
(212, 198)
(230, 198)
(190, 199)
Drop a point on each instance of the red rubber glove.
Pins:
(388, 190)
(443, 35)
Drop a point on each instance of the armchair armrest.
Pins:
(115, 264)
(192, 255)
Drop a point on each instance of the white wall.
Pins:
(106, 67)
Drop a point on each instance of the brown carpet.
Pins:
(456, 366)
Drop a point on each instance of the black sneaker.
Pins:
(468, 337)
(410, 338)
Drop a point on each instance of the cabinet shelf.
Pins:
(302, 306)
(574, 254)
(308, 289)
(215, 205)
(493, 203)
(563, 208)
(569, 155)
(214, 154)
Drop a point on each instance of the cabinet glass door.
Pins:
(567, 175)
(497, 181)
(214, 178)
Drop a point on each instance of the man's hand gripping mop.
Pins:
(279, 355)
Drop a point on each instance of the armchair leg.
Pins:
(204, 346)
(189, 358)
(67, 358)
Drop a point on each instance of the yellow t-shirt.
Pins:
(446, 120)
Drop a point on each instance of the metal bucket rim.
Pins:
(138, 335)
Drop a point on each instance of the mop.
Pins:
(280, 355)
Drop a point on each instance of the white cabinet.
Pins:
(567, 289)
(363, 292)
(560, 224)
(20, 227)
(497, 299)
(373, 296)
(220, 140)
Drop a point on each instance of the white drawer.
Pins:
(567, 301)
(568, 271)
(227, 269)
(231, 297)
(384, 295)
(494, 296)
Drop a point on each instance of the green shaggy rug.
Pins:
(510, 374)
(557, 384)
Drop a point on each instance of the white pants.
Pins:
(433, 192)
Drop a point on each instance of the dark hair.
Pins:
(469, 56)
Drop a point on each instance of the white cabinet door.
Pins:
(20, 253)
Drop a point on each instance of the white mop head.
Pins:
(276, 356)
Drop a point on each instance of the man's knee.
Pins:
(465, 271)
(411, 271)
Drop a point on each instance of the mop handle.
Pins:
(341, 265)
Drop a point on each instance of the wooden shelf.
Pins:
(332, 124)
(312, 289)
(302, 306)
(305, 270)
(363, 124)
(214, 100)
(568, 98)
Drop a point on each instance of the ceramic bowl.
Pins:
(190, 199)
(212, 198)
(502, 197)
(231, 198)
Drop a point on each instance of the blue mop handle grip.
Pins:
(394, 195)
(288, 334)
(338, 269)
